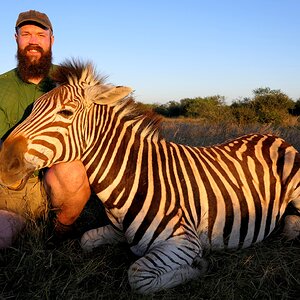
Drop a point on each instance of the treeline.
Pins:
(267, 106)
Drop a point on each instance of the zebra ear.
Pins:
(112, 95)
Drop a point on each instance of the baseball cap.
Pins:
(33, 16)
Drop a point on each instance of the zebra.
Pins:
(169, 202)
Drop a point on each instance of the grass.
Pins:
(33, 270)
(195, 133)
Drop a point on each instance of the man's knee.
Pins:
(67, 178)
(68, 188)
(10, 226)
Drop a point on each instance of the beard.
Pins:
(29, 68)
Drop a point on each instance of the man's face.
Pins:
(33, 41)
(34, 52)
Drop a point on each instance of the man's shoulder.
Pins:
(8, 76)
(53, 68)
(12, 76)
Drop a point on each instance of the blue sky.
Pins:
(167, 50)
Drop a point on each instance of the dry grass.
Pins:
(196, 133)
(269, 270)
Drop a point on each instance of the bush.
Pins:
(266, 107)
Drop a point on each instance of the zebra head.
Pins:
(57, 122)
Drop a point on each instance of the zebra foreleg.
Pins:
(165, 267)
(101, 236)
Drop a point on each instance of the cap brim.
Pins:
(34, 22)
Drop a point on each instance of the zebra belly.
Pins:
(216, 238)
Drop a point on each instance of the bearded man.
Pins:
(19, 88)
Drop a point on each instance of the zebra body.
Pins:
(169, 202)
(198, 184)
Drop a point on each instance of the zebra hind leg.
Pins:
(163, 268)
(291, 229)
(100, 236)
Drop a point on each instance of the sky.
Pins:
(168, 50)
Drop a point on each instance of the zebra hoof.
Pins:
(86, 245)
(88, 241)
(201, 264)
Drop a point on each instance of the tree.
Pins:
(171, 109)
(210, 109)
(243, 112)
(271, 106)
(295, 111)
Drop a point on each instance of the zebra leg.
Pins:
(164, 267)
(291, 229)
(100, 236)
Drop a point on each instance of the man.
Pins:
(18, 90)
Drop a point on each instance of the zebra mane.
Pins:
(77, 72)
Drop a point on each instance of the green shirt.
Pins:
(17, 97)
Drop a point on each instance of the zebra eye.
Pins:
(65, 113)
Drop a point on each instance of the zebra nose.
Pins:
(14, 164)
(12, 154)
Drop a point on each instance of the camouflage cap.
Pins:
(33, 16)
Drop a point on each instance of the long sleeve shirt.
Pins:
(16, 99)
